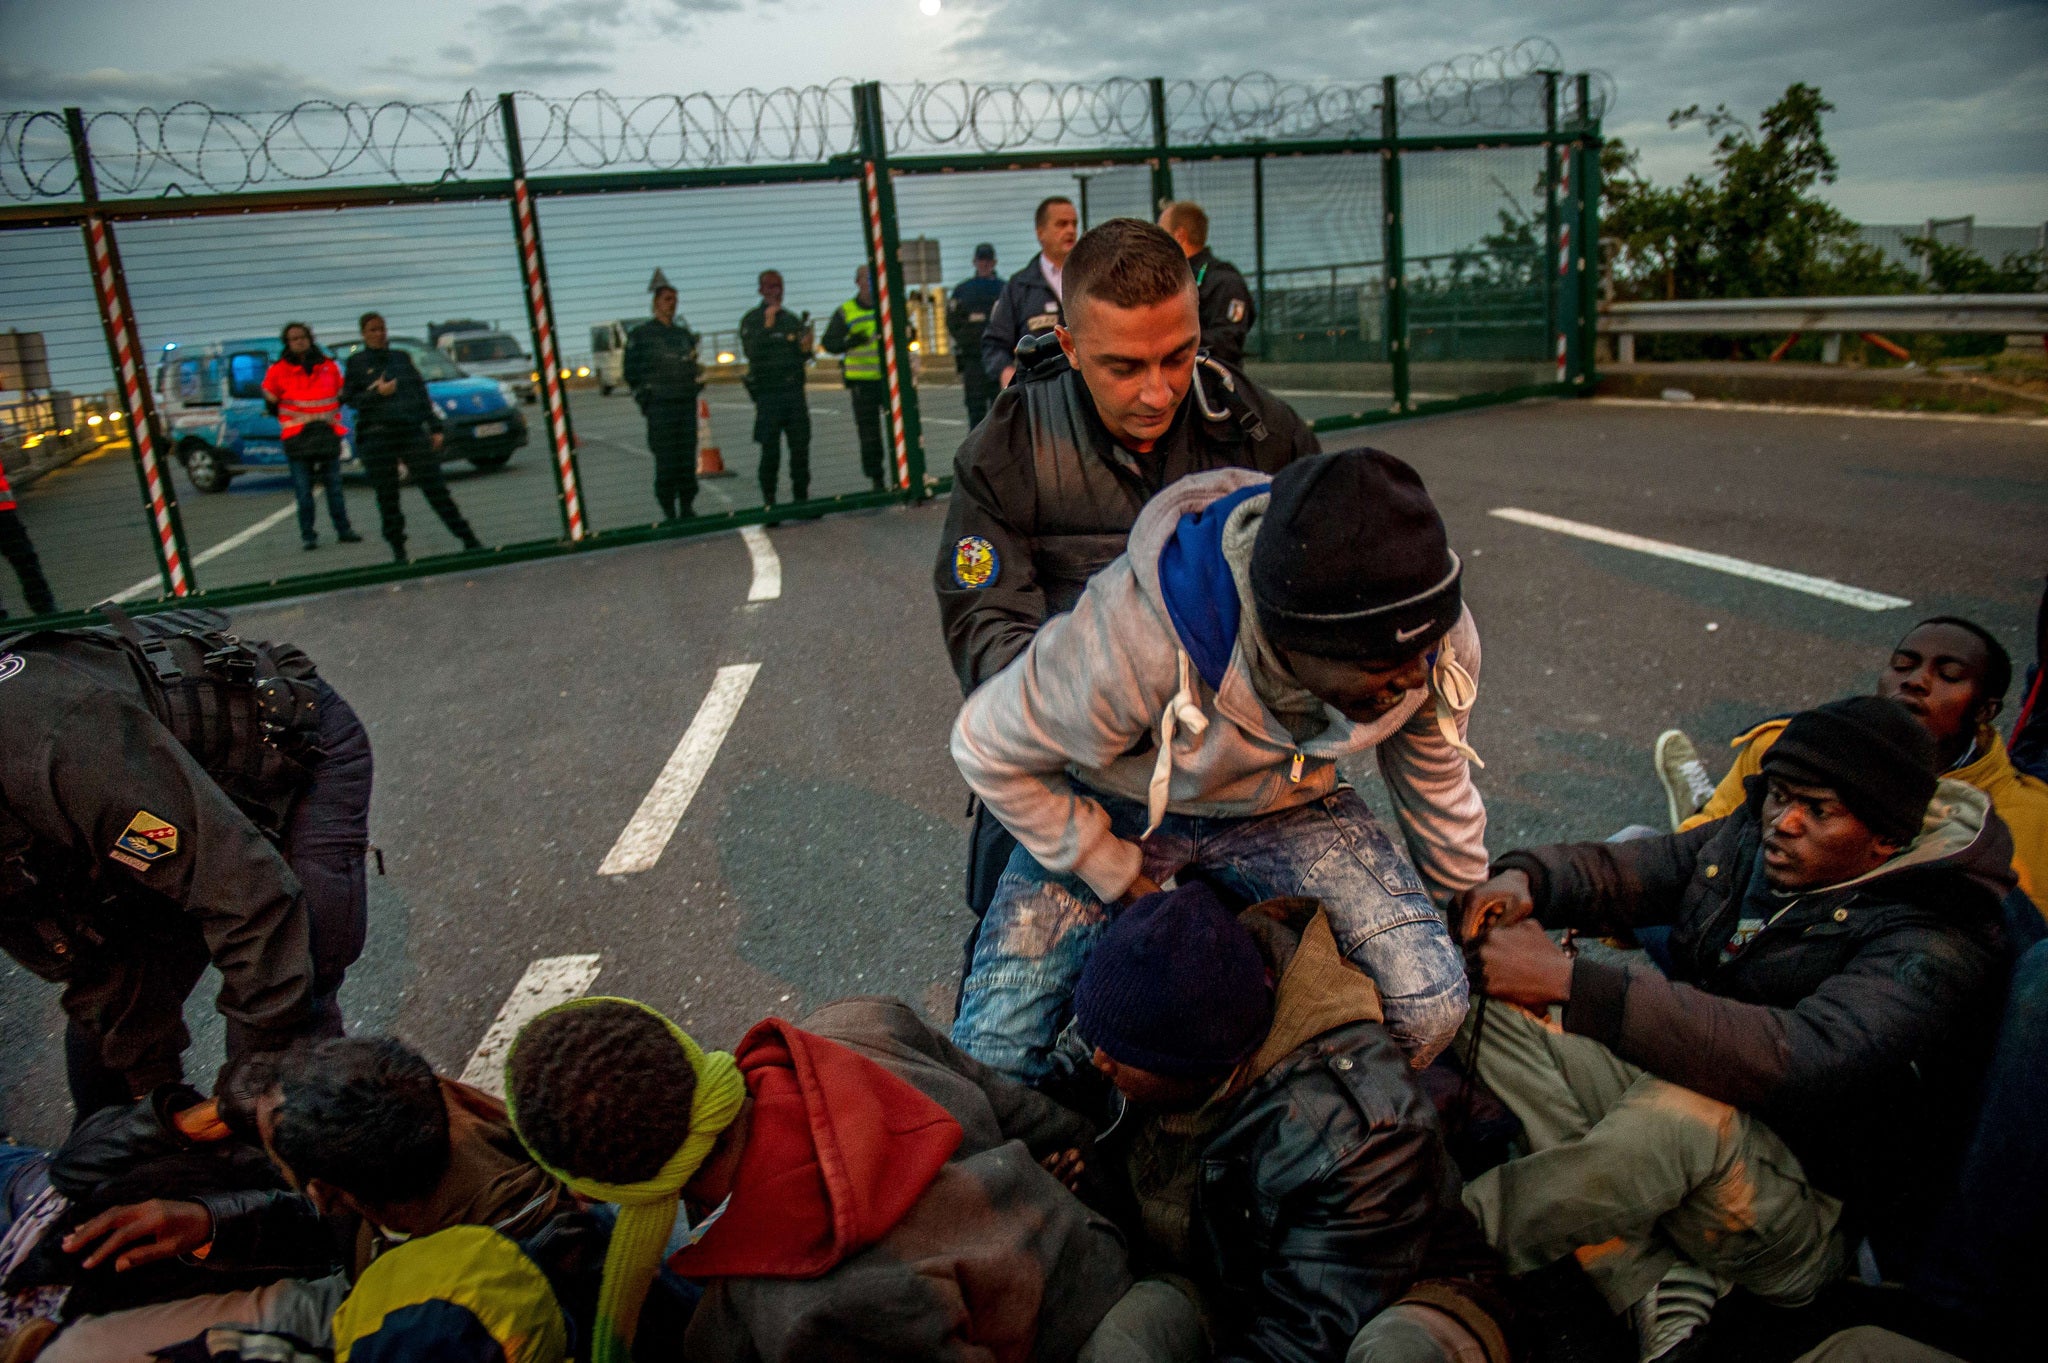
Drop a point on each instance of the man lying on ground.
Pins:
(1279, 1156)
(1191, 710)
(1800, 1079)
(1952, 674)
(855, 1186)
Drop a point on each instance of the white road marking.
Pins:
(1807, 409)
(640, 844)
(767, 584)
(1698, 558)
(547, 982)
(154, 582)
(1325, 393)
(941, 420)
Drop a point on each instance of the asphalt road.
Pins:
(521, 714)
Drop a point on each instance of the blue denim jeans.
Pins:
(328, 473)
(1041, 926)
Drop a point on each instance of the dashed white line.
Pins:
(641, 842)
(547, 982)
(1825, 588)
(767, 583)
(154, 582)
(1809, 409)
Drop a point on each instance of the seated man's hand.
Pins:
(1067, 1166)
(142, 1233)
(1505, 899)
(1140, 887)
(1520, 964)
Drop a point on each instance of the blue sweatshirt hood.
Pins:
(1196, 584)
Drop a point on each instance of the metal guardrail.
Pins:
(1829, 318)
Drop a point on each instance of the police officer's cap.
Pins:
(985, 251)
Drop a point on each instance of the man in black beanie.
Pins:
(1258, 1073)
(1191, 712)
(1801, 1078)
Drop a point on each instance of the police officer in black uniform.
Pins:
(1030, 303)
(1045, 491)
(777, 344)
(397, 423)
(1227, 309)
(967, 314)
(661, 370)
(171, 797)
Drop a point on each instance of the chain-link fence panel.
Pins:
(1476, 271)
(79, 532)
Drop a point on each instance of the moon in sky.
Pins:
(928, 6)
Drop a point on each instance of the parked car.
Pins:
(493, 355)
(211, 401)
(608, 351)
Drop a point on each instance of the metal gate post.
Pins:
(1259, 250)
(1393, 245)
(1162, 168)
(1589, 234)
(540, 317)
(885, 270)
(131, 369)
(1550, 163)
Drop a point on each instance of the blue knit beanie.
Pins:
(1175, 986)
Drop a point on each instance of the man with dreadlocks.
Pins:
(852, 1179)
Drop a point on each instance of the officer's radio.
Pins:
(1039, 356)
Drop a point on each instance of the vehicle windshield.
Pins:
(434, 367)
(471, 350)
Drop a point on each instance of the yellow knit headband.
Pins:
(647, 1209)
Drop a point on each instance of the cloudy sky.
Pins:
(1942, 108)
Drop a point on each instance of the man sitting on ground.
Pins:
(855, 1186)
(1279, 1155)
(1800, 1078)
(1192, 709)
(1952, 674)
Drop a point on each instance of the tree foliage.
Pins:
(1754, 227)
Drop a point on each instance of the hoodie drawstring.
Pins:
(1184, 709)
(1452, 689)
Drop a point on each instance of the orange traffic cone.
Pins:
(710, 463)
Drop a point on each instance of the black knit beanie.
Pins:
(1176, 986)
(1351, 560)
(1870, 752)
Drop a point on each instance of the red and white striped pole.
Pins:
(550, 365)
(871, 181)
(124, 349)
(1564, 264)
(540, 316)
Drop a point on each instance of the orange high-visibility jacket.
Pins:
(304, 395)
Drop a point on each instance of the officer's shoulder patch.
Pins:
(146, 839)
(11, 663)
(974, 562)
(1237, 309)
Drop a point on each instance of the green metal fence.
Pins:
(1414, 244)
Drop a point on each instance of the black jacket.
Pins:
(1853, 1023)
(661, 362)
(408, 407)
(1044, 490)
(967, 313)
(1227, 309)
(1027, 306)
(1324, 1195)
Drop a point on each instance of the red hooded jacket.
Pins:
(838, 1151)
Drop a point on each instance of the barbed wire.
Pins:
(193, 148)
(601, 131)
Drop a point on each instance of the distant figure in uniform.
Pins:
(1225, 299)
(398, 424)
(173, 797)
(967, 315)
(855, 335)
(303, 391)
(778, 346)
(21, 553)
(1031, 300)
(661, 370)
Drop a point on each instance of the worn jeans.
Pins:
(1041, 926)
(1629, 1172)
(1155, 1322)
(316, 458)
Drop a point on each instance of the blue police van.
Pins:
(211, 400)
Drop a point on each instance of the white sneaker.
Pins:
(1675, 1310)
(1684, 777)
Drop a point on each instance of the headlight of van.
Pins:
(505, 391)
